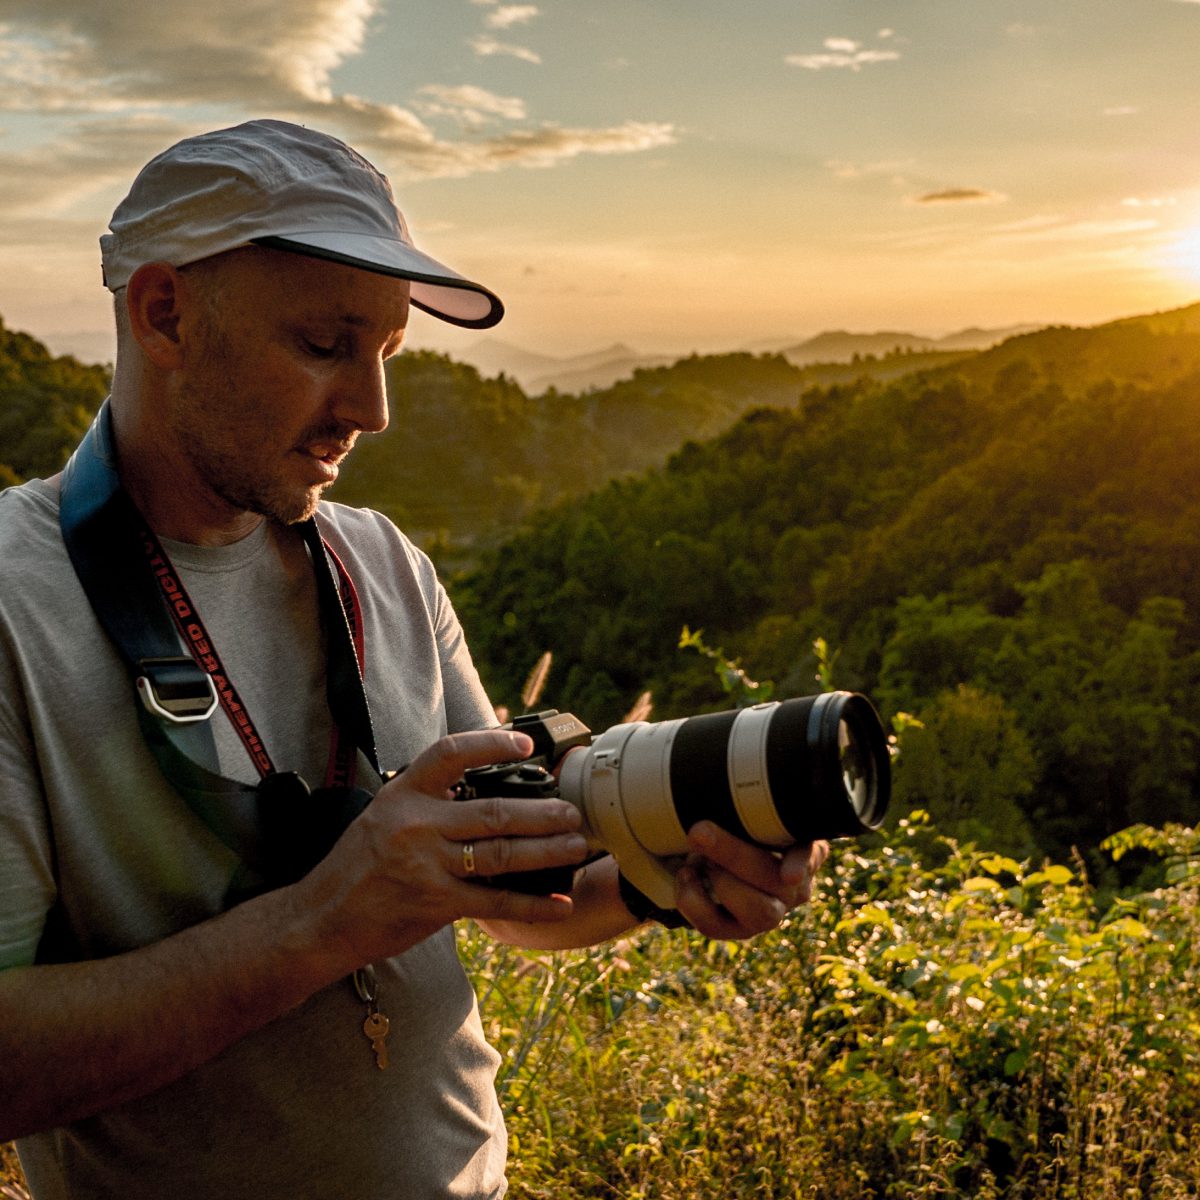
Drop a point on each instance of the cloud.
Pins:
(893, 168)
(471, 106)
(959, 195)
(894, 174)
(843, 53)
(545, 146)
(1121, 110)
(486, 47)
(1083, 230)
(508, 15)
(156, 65)
(1149, 202)
(82, 55)
(48, 181)
(1079, 241)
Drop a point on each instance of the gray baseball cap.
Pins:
(274, 184)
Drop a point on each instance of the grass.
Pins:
(942, 1022)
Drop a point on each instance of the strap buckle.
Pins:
(176, 689)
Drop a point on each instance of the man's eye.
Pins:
(317, 350)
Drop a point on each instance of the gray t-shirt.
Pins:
(99, 855)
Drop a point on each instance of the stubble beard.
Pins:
(215, 446)
(245, 490)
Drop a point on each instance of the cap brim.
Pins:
(436, 289)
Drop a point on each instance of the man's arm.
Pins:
(727, 889)
(81, 1037)
(77, 1038)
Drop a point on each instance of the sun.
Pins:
(1183, 255)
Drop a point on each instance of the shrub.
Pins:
(941, 1022)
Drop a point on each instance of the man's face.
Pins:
(283, 370)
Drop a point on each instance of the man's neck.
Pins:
(168, 493)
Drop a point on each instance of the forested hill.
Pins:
(46, 405)
(1005, 543)
(472, 456)
(1009, 548)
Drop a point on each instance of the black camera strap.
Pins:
(278, 829)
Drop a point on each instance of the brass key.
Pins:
(376, 1028)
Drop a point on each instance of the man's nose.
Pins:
(361, 398)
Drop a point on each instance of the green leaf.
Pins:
(1127, 927)
(1055, 874)
(1014, 1062)
(997, 864)
(980, 883)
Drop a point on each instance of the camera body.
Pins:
(553, 734)
(775, 774)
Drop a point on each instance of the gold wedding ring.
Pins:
(469, 857)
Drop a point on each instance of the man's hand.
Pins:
(729, 889)
(402, 870)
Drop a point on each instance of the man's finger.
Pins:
(436, 770)
(515, 816)
(752, 864)
(800, 866)
(498, 904)
(499, 856)
(722, 906)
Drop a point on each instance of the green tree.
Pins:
(971, 766)
(46, 405)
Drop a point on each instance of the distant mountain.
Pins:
(602, 373)
(537, 373)
(975, 338)
(840, 346)
(492, 357)
(836, 345)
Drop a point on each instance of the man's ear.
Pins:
(154, 297)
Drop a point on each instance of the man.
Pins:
(162, 1033)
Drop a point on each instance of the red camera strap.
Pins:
(340, 766)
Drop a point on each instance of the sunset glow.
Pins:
(1184, 256)
(678, 177)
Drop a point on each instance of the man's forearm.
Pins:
(78, 1038)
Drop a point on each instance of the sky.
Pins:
(685, 175)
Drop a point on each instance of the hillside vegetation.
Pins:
(1004, 544)
(467, 458)
(46, 405)
(1008, 548)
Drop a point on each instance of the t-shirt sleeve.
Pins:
(467, 703)
(27, 887)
